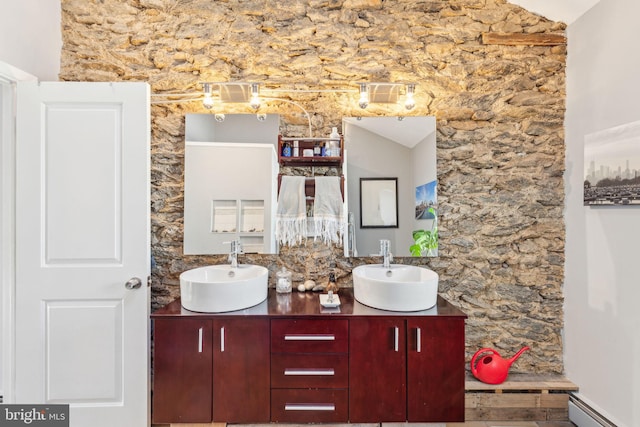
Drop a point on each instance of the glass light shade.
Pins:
(207, 102)
(255, 96)
(363, 102)
(410, 102)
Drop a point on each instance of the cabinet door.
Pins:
(241, 370)
(182, 371)
(435, 363)
(377, 370)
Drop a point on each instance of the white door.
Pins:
(82, 232)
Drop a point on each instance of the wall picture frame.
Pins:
(612, 167)
(378, 202)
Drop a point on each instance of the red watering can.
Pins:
(492, 369)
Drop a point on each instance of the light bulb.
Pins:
(410, 102)
(363, 102)
(255, 96)
(207, 102)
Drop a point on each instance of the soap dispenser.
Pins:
(332, 286)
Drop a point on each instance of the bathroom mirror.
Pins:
(230, 182)
(402, 149)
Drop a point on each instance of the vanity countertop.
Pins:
(308, 304)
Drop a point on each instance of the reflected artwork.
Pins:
(426, 200)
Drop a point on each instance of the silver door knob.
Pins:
(133, 283)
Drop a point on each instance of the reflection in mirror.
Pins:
(392, 147)
(230, 183)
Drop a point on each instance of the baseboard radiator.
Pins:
(583, 415)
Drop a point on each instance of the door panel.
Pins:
(183, 363)
(82, 231)
(377, 370)
(241, 390)
(68, 377)
(435, 387)
(91, 232)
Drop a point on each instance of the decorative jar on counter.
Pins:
(283, 281)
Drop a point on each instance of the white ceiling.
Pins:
(565, 11)
(407, 131)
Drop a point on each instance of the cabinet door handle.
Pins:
(396, 338)
(418, 340)
(200, 340)
(302, 371)
(310, 337)
(309, 407)
(222, 339)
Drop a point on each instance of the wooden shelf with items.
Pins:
(312, 144)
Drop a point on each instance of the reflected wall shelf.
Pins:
(308, 144)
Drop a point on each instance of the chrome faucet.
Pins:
(236, 249)
(387, 257)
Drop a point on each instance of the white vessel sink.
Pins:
(397, 288)
(220, 288)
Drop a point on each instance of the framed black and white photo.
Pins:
(379, 202)
(612, 166)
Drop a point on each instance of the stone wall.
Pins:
(499, 110)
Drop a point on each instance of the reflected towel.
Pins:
(291, 216)
(328, 210)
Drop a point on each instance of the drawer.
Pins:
(309, 336)
(309, 371)
(309, 406)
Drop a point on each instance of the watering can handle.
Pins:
(478, 353)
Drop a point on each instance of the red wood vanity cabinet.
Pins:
(241, 370)
(309, 370)
(182, 370)
(435, 381)
(290, 360)
(406, 369)
(210, 369)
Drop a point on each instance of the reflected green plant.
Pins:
(426, 241)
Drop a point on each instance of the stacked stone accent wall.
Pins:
(499, 110)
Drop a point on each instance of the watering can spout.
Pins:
(518, 354)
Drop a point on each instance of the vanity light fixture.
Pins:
(219, 117)
(230, 92)
(250, 93)
(386, 93)
(363, 102)
(410, 102)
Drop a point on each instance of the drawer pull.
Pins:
(418, 340)
(222, 339)
(309, 371)
(310, 337)
(309, 407)
(200, 344)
